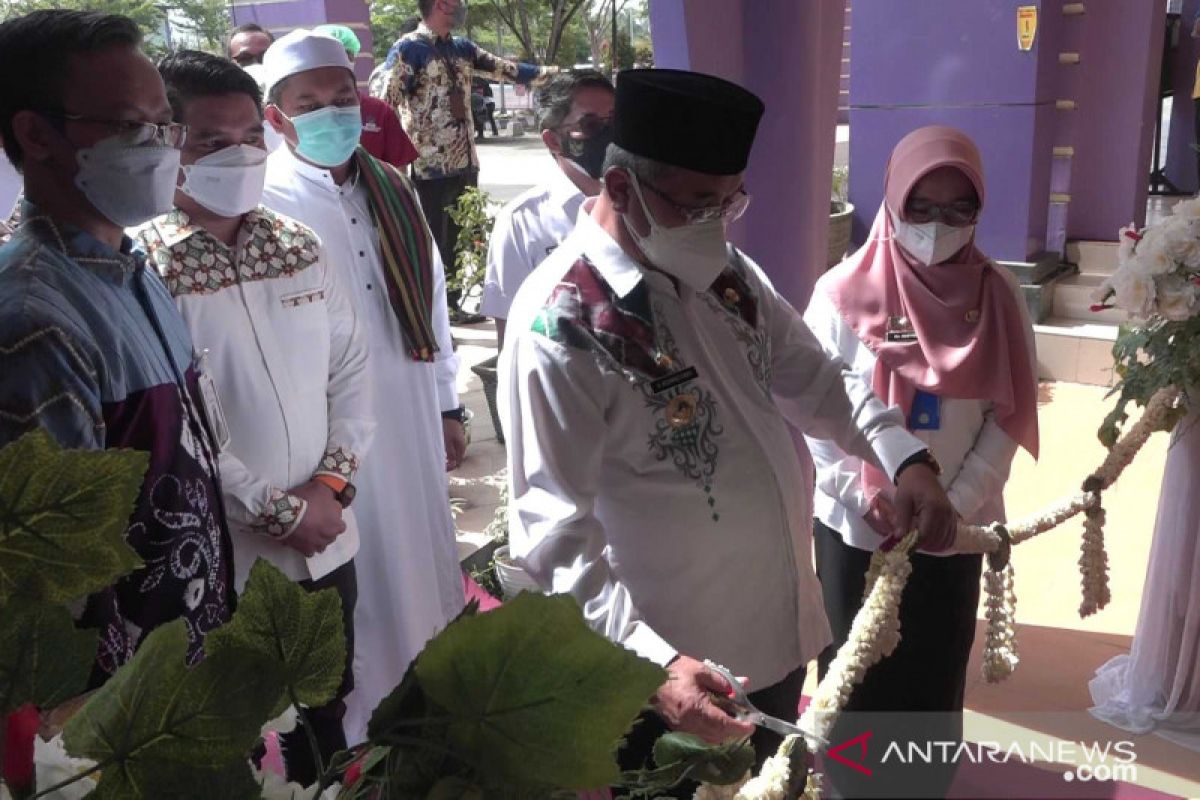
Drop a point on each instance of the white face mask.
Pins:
(695, 254)
(128, 185)
(228, 182)
(932, 242)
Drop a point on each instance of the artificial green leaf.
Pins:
(454, 788)
(682, 757)
(63, 515)
(300, 631)
(182, 782)
(44, 659)
(156, 712)
(533, 696)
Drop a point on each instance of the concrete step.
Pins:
(1075, 351)
(1074, 296)
(1093, 258)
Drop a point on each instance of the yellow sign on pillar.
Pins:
(1026, 26)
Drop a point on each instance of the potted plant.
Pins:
(841, 214)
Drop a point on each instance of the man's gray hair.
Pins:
(646, 169)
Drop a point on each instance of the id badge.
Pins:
(212, 405)
(926, 414)
(900, 329)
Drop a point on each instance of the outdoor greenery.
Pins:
(524, 701)
(195, 23)
(474, 215)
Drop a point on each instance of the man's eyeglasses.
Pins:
(131, 132)
(730, 210)
(963, 212)
(245, 59)
(588, 126)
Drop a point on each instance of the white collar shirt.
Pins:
(280, 338)
(527, 230)
(653, 474)
(973, 450)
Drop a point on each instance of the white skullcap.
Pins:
(300, 51)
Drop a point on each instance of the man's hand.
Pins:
(881, 515)
(685, 701)
(455, 435)
(322, 521)
(920, 500)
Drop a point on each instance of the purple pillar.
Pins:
(788, 53)
(281, 17)
(1181, 151)
(1072, 116)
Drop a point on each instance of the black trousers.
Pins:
(1196, 136)
(326, 721)
(926, 674)
(436, 196)
(778, 700)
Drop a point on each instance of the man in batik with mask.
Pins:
(431, 89)
(576, 121)
(92, 348)
(282, 341)
(369, 219)
(649, 383)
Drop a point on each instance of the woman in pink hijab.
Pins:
(941, 331)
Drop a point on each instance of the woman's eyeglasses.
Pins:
(957, 214)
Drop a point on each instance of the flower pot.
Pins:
(513, 579)
(840, 223)
(486, 370)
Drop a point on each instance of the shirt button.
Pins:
(361, 253)
(353, 221)
(368, 287)
(972, 315)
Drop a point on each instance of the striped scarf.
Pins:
(405, 244)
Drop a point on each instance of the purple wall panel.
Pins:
(282, 17)
(668, 32)
(1116, 104)
(1181, 158)
(1005, 137)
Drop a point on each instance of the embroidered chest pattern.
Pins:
(686, 430)
(199, 264)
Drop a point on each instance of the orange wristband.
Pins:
(337, 484)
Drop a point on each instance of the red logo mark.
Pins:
(861, 740)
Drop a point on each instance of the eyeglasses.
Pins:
(730, 210)
(957, 214)
(246, 58)
(588, 126)
(131, 132)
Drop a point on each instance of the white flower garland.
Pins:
(771, 782)
(875, 631)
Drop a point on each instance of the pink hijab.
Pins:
(970, 336)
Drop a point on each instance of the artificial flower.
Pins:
(53, 765)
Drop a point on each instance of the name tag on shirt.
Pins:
(900, 329)
(213, 410)
(674, 379)
(926, 414)
(302, 298)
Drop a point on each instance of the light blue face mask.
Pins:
(327, 137)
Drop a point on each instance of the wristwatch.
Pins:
(921, 457)
(346, 495)
(457, 414)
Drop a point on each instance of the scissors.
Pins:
(745, 711)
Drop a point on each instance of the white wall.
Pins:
(10, 185)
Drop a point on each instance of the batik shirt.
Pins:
(653, 473)
(93, 351)
(279, 335)
(429, 71)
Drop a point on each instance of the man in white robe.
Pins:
(410, 582)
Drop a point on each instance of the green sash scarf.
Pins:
(405, 245)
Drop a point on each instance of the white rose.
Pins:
(1126, 243)
(1189, 209)
(1134, 292)
(1176, 298)
(276, 787)
(52, 765)
(1153, 256)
